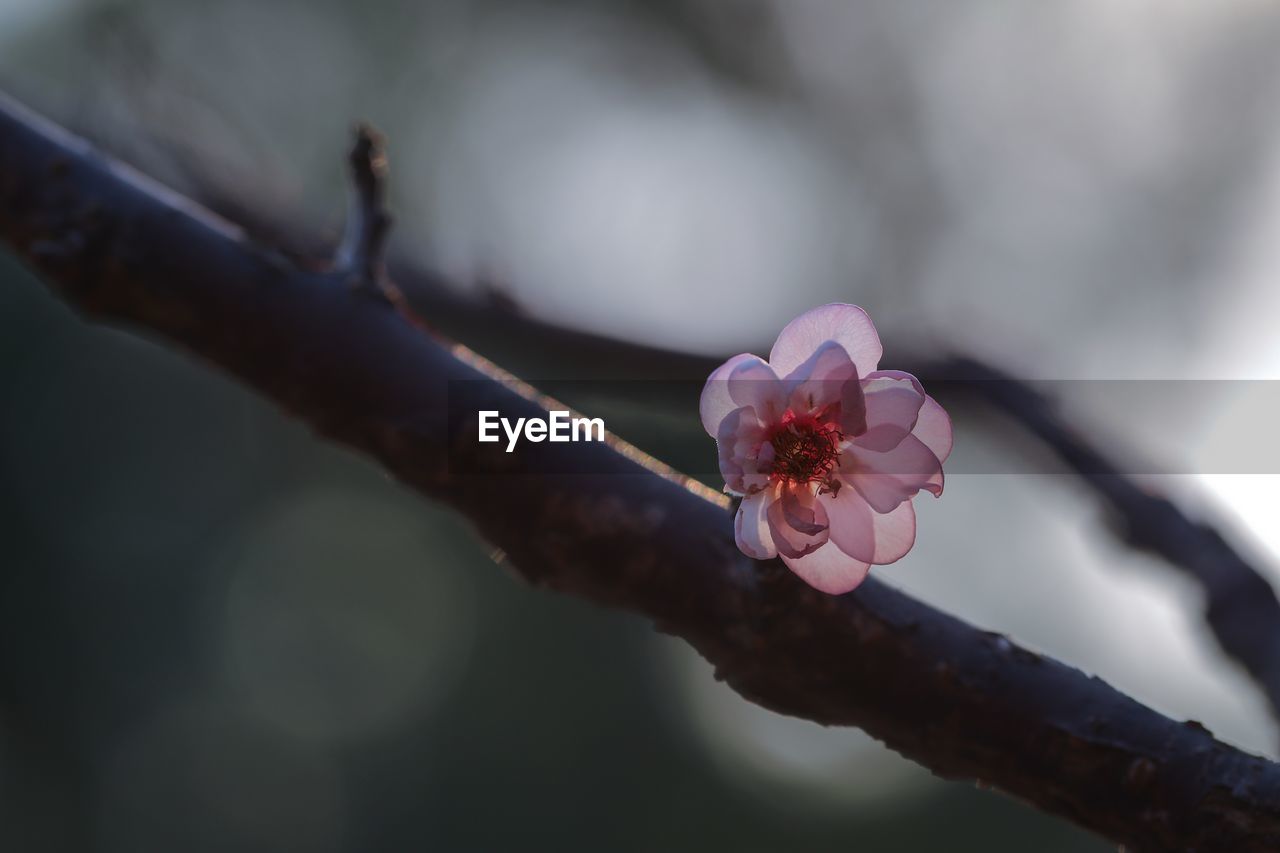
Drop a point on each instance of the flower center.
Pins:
(805, 452)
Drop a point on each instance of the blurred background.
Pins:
(217, 633)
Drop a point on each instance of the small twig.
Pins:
(360, 255)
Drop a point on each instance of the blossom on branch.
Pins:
(826, 450)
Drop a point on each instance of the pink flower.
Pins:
(826, 450)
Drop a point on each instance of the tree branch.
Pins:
(624, 531)
(1241, 607)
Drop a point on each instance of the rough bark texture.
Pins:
(966, 703)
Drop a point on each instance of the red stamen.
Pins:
(804, 450)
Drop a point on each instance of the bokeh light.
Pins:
(337, 623)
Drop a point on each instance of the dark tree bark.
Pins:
(624, 532)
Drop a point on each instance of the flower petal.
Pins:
(933, 427)
(852, 528)
(872, 537)
(793, 541)
(893, 401)
(829, 569)
(751, 527)
(716, 403)
(802, 511)
(828, 377)
(746, 459)
(895, 533)
(819, 378)
(758, 470)
(753, 383)
(727, 448)
(847, 325)
(888, 478)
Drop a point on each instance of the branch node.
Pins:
(360, 256)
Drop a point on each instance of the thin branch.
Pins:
(623, 532)
(1241, 606)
